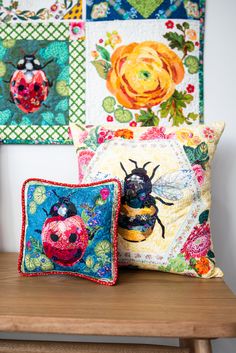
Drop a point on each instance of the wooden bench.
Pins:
(142, 304)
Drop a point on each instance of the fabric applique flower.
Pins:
(170, 24)
(104, 134)
(187, 137)
(192, 9)
(199, 172)
(190, 88)
(191, 34)
(202, 266)
(54, 7)
(99, 10)
(198, 243)
(124, 133)
(94, 54)
(209, 133)
(133, 124)
(144, 74)
(113, 39)
(77, 30)
(104, 193)
(156, 133)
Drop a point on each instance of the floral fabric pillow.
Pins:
(70, 229)
(164, 219)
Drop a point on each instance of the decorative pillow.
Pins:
(70, 229)
(164, 219)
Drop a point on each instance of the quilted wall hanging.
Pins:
(149, 71)
(41, 81)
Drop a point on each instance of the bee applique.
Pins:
(139, 210)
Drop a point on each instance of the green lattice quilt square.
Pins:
(41, 81)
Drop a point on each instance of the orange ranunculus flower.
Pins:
(124, 133)
(144, 74)
(203, 266)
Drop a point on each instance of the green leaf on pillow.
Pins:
(204, 217)
(211, 254)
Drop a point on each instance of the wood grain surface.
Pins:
(143, 303)
(60, 347)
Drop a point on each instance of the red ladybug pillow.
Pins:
(70, 229)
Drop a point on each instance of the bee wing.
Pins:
(170, 186)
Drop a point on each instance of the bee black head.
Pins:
(29, 63)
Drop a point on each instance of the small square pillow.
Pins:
(70, 229)
(164, 220)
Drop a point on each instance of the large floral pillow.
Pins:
(164, 218)
(70, 229)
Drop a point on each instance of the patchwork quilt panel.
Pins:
(42, 83)
(146, 71)
(34, 10)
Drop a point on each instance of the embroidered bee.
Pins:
(139, 210)
(29, 85)
(64, 234)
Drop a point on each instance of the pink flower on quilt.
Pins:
(198, 243)
(77, 30)
(104, 134)
(84, 158)
(156, 133)
(199, 172)
(209, 133)
(104, 193)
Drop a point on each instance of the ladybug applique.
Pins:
(64, 234)
(29, 85)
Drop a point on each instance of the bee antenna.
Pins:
(135, 163)
(145, 164)
(55, 194)
(154, 171)
(123, 168)
(72, 193)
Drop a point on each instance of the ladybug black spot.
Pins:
(54, 237)
(13, 83)
(72, 238)
(78, 253)
(21, 87)
(36, 87)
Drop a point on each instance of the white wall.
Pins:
(58, 163)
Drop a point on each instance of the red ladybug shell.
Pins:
(29, 91)
(64, 239)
